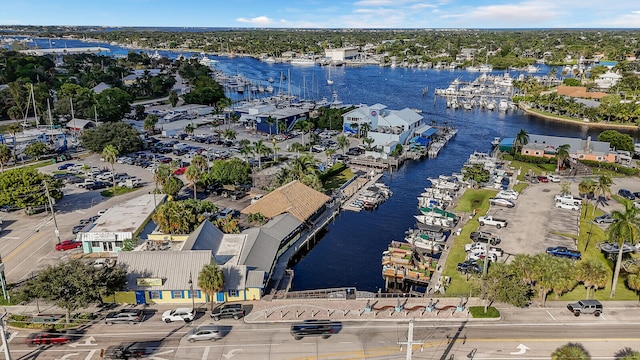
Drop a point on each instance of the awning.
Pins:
(429, 132)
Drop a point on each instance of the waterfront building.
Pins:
(341, 54)
(608, 80)
(579, 92)
(579, 149)
(118, 224)
(386, 127)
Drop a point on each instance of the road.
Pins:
(522, 334)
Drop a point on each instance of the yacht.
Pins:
(303, 62)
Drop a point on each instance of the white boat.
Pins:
(329, 80)
(434, 221)
(206, 61)
(496, 141)
(532, 69)
(503, 106)
(270, 80)
(269, 59)
(491, 105)
(473, 69)
(486, 68)
(423, 242)
(303, 62)
(269, 89)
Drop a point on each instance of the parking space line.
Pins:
(551, 315)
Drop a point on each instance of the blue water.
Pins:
(349, 253)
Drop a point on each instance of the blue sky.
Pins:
(327, 14)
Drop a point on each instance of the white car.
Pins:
(508, 194)
(636, 204)
(554, 178)
(479, 255)
(501, 202)
(179, 314)
(570, 206)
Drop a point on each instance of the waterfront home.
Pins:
(386, 127)
(579, 92)
(608, 80)
(579, 149)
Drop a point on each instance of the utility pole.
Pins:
(5, 343)
(53, 212)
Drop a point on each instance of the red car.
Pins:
(180, 171)
(45, 338)
(543, 179)
(68, 245)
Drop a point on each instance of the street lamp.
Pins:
(193, 299)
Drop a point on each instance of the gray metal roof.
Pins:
(206, 237)
(259, 252)
(576, 145)
(173, 267)
(234, 277)
(255, 279)
(281, 226)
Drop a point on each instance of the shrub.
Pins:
(534, 159)
(610, 166)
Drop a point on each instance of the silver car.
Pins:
(204, 332)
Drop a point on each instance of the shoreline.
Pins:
(528, 111)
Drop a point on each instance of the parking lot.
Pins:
(535, 223)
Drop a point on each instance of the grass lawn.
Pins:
(536, 169)
(477, 312)
(119, 191)
(470, 200)
(336, 181)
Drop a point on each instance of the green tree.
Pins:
(193, 175)
(520, 140)
(36, 149)
(113, 104)
(627, 354)
(109, 154)
(228, 225)
(602, 190)
(343, 143)
(123, 136)
(571, 351)
(617, 140)
(189, 129)
(477, 173)
(261, 149)
(230, 134)
(232, 171)
(624, 230)
(200, 162)
(150, 123)
(5, 156)
(162, 174)
(562, 154)
(73, 285)
(211, 280)
(23, 187)
(173, 98)
(593, 274)
(633, 283)
(182, 217)
(257, 218)
(172, 186)
(503, 284)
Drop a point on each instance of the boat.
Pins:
(271, 80)
(496, 141)
(424, 242)
(329, 80)
(206, 61)
(269, 59)
(434, 220)
(303, 62)
(532, 69)
(486, 68)
(269, 89)
(503, 106)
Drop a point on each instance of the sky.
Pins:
(488, 14)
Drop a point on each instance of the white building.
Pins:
(341, 54)
(607, 80)
(387, 127)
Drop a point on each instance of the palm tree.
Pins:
(521, 140)
(602, 190)
(189, 129)
(230, 134)
(193, 174)
(150, 123)
(364, 129)
(161, 175)
(110, 153)
(571, 351)
(211, 281)
(304, 126)
(270, 121)
(246, 150)
(343, 142)
(624, 229)
(368, 141)
(275, 148)
(329, 152)
(627, 354)
(200, 162)
(593, 274)
(13, 130)
(633, 283)
(5, 156)
(261, 149)
(562, 153)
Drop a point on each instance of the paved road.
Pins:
(523, 334)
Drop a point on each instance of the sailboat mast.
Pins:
(35, 112)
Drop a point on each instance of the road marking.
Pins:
(90, 355)
(521, 350)
(346, 342)
(205, 354)
(21, 247)
(231, 353)
(87, 342)
(81, 212)
(11, 237)
(550, 315)
(67, 356)
(154, 356)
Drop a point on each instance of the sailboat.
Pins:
(329, 81)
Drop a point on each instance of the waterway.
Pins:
(349, 253)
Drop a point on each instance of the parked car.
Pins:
(554, 178)
(180, 171)
(561, 251)
(179, 314)
(604, 219)
(204, 332)
(501, 202)
(68, 245)
(508, 194)
(65, 166)
(564, 205)
(543, 179)
(256, 198)
(469, 266)
(626, 194)
(586, 306)
(128, 316)
(48, 337)
(235, 311)
(97, 185)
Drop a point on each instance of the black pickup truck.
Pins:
(561, 251)
(469, 266)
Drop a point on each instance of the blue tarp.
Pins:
(422, 141)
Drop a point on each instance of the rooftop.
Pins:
(128, 216)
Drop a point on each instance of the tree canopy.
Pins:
(232, 171)
(617, 140)
(182, 217)
(122, 136)
(23, 187)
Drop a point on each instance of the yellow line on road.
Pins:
(24, 244)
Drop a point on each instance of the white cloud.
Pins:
(629, 20)
(260, 21)
(523, 14)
